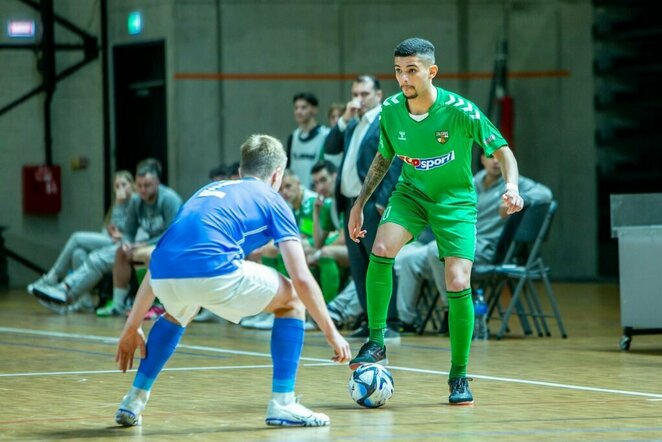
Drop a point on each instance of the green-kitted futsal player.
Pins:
(432, 130)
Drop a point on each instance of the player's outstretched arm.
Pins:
(132, 336)
(376, 173)
(311, 295)
(508, 163)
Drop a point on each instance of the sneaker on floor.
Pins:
(110, 309)
(310, 325)
(44, 281)
(262, 321)
(84, 303)
(129, 412)
(460, 394)
(390, 334)
(370, 353)
(294, 415)
(60, 309)
(407, 328)
(56, 294)
(360, 333)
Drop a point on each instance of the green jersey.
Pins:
(436, 151)
(304, 214)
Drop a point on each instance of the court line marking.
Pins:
(327, 362)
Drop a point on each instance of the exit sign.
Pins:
(135, 23)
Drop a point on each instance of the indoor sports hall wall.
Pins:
(232, 67)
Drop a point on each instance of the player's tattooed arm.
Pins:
(376, 173)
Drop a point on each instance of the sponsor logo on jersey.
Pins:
(428, 163)
(402, 136)
(441, 136)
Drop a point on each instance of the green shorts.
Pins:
(454, 227)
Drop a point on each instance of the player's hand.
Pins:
(341, 350)
(355, 223)
(352, 109)
(513, 201)
(130, 340)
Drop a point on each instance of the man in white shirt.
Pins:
(356, 135)
(305, 146)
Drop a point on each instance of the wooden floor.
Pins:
(58, 381)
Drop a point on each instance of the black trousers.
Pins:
(359, 257)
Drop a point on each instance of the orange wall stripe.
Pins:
(335, 77)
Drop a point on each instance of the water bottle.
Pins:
(481, 331)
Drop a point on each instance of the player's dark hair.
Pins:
(309, 97)
(261, 155)
(324, 164)
(365, 78)
(415, 47)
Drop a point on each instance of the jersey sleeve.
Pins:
(385, 146)
(283, 225)
(485, 133)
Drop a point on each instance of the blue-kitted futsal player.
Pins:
(199, 262)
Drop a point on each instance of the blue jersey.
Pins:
(219, 226)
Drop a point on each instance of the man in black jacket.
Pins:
(356, 136)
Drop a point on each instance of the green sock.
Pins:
(329, 278)
(379, 285)
(461, 328)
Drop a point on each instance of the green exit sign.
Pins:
(135, 23)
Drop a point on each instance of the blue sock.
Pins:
(161, 344)
(286, 345)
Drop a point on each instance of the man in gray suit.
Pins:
(356, 135)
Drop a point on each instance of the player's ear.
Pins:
(433, 70)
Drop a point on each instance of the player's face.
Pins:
(122, 187)
(413, 75)
(324, 183)
(290, 189)
(303, 111)
(366, 93)
(148, 186)
(491, 166)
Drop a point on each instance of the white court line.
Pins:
(224, 367)
(326, 362)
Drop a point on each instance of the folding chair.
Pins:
(429, 306)
(486, 277)
(523, 265)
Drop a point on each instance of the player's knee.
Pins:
(380, 248)
(457, 284)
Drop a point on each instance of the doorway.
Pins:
(140, 105)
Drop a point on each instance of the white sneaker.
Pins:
(294, 415)
(262, 321)
(57, 293)
(84, 303)
(131, 407)
(60, 309)
(44, 281)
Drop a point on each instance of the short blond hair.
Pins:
(261, 155)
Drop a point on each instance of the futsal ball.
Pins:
(371, 385)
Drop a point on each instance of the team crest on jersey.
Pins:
(441, 136)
